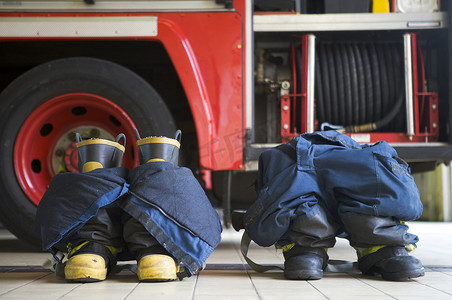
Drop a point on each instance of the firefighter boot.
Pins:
(392, 263)
(304, 263)
(157, 148)
(379, 242)
(156, 265)
(154, 262)
(99, 153)
(90, 261)
(312, 234)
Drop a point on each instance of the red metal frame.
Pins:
(422, 102)
(289, 101)
(286, 116)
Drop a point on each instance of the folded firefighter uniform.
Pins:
(107, 213)
(323, 185)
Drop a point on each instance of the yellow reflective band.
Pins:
(158, 140)
(100, 142)
(155, 159)
(288, 247)
(410, 247)
(91, 165)
(113, 250)
(366, 251)
(72, 251)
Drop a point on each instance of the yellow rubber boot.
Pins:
(85, 267)
(89, 262)
(159, 148)
(99, 153)
(157, 267)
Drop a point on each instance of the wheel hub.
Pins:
(65, 155)
(45, 144)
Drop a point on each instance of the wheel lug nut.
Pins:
(59, 152)
(71, 136)
(94, 133)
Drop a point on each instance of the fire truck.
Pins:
(236, 76)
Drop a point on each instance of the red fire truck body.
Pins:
(213, 83)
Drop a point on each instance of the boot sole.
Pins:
(156, 277)
(304, 274)
(84, 280)
(157, 280)
(399, 276)
(403, 276)
(85, 275)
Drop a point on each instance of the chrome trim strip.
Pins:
(78, 26)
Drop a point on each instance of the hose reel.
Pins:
(359, 86)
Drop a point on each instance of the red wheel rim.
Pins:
(35, 146)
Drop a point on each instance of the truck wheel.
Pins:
(42, 109)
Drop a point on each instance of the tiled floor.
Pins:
(228, 277)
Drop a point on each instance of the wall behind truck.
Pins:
(435, 190)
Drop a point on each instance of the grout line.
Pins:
(373, 287)
(320, 292)
(131, 291)
(75, 287)
(195, 286)
(21, 286)
(432, 287)
(246, 268)
(252, 283)
(222, 266)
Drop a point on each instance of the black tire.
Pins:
(34, 88)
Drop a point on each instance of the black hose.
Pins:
(354, 84)
(380, 123)
(325, 82)
(391, 114)
(320, 107)
(347, 87)
(390, 67)
(368, 85)
(399, 86)
(340, 84)
(359, 86)
(385, 104)
(333, 86)
(376, 81)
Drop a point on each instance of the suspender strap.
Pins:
(244, 246)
